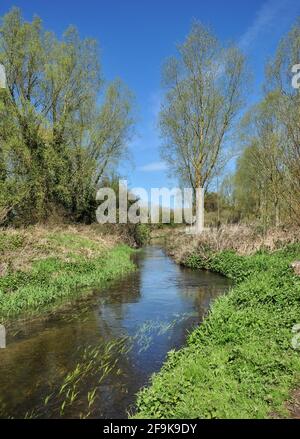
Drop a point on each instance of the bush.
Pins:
(142, 234)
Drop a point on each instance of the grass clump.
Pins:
(59, 265)
(10, 242)
(239, 363)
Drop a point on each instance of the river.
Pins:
(90, 360)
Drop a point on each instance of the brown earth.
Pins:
(293, 405)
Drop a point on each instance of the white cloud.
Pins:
(153, 167)
(269, 16)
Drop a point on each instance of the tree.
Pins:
(57, 142)
(260, 172)
(204, 93)
(280, 81)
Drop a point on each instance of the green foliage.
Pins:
(142, 234)
(52, 281)
(204, 92)
(268, 172)
(72, 241)
(239, 362)
(57, 142)
(229, 264)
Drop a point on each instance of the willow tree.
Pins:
(204, 92)
(262, 161)
(62, 128)
(280, 74)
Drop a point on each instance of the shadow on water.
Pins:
(91, 361)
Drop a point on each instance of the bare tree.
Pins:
(280, 81)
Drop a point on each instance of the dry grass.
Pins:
(293, 405)
(19, 248)
(43, 268)
(242, 239)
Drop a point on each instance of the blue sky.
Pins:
(136, 36)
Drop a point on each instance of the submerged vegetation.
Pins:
(94, 367)
(79, 390)
(240, 362)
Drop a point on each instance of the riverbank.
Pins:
(90, 360)
(42, 268)
(240, 362)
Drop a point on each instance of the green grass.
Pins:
(73, 241)
(51, 280)
(239, 363)
(9, 242)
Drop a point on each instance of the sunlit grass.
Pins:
(239, 363)
(51, 280)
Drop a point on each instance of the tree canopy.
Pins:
(62, 127)
(205, 87)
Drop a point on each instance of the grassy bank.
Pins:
(42, 268)
(239, 363)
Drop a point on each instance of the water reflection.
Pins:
(90, 362)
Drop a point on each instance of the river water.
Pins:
(90, 360)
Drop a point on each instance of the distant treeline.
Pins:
(204, 125)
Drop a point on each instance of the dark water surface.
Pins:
(90, 361)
